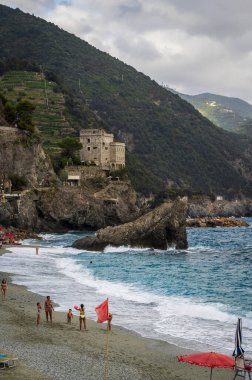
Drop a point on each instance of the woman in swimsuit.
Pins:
(4, 288)
(48, 308)
(82, 317)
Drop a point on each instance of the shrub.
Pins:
(18, 182)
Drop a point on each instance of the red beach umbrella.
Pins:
(9, 235)
(209, 359)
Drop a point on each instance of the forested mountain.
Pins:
(168, 141)
(232, 114)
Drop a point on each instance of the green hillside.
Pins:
(168, 141)
(232, 114)
(50, 110)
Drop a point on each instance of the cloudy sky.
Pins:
(191, 45)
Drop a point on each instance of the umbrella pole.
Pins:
(211, 373)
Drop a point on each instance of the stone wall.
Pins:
(85, 172)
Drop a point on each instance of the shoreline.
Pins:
(131, 356)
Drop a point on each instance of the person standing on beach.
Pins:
(38, 313)
(110, 316)
(82, 317)
(69, 316)
(48, 308)
(4, 287)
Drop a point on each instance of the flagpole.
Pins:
(106, 351)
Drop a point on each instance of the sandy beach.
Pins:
(60, 351)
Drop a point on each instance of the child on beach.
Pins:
(48, 308)
(110, 316)
(39, 308)
(69, 316)
(82, 317)
(4, 287)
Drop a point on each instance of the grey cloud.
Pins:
(137, 48)
(66, 3)
(219, 18)
(133, 7)
(40, 7)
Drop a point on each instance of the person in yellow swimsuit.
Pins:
(82, 317)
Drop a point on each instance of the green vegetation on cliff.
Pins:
(18, 114)
(168, 141)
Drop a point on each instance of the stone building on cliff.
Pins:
(99, 147)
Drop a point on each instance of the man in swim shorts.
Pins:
(48, 308)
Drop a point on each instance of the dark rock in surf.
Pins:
(216, 222)
(161, 228)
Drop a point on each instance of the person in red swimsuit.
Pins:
(69, 316)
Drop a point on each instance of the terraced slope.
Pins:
(50, 112)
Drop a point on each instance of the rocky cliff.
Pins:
(203, 207)
(21, 157)
(44, 207)
(163, 227)
(64, 208)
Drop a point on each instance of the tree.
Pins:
(10, 113)
(24, 116)
(70, 146)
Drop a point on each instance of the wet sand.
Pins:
(60, 351)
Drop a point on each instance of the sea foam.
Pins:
(72, 277)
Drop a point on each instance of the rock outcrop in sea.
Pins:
(163, 227)
(216, 222)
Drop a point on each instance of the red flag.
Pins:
(102, 312)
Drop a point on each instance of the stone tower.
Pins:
(99, 147)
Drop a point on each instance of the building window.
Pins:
(88, 140)
(106, 148)
(94, 147)
(88, 148)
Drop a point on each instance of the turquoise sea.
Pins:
(191, 298)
